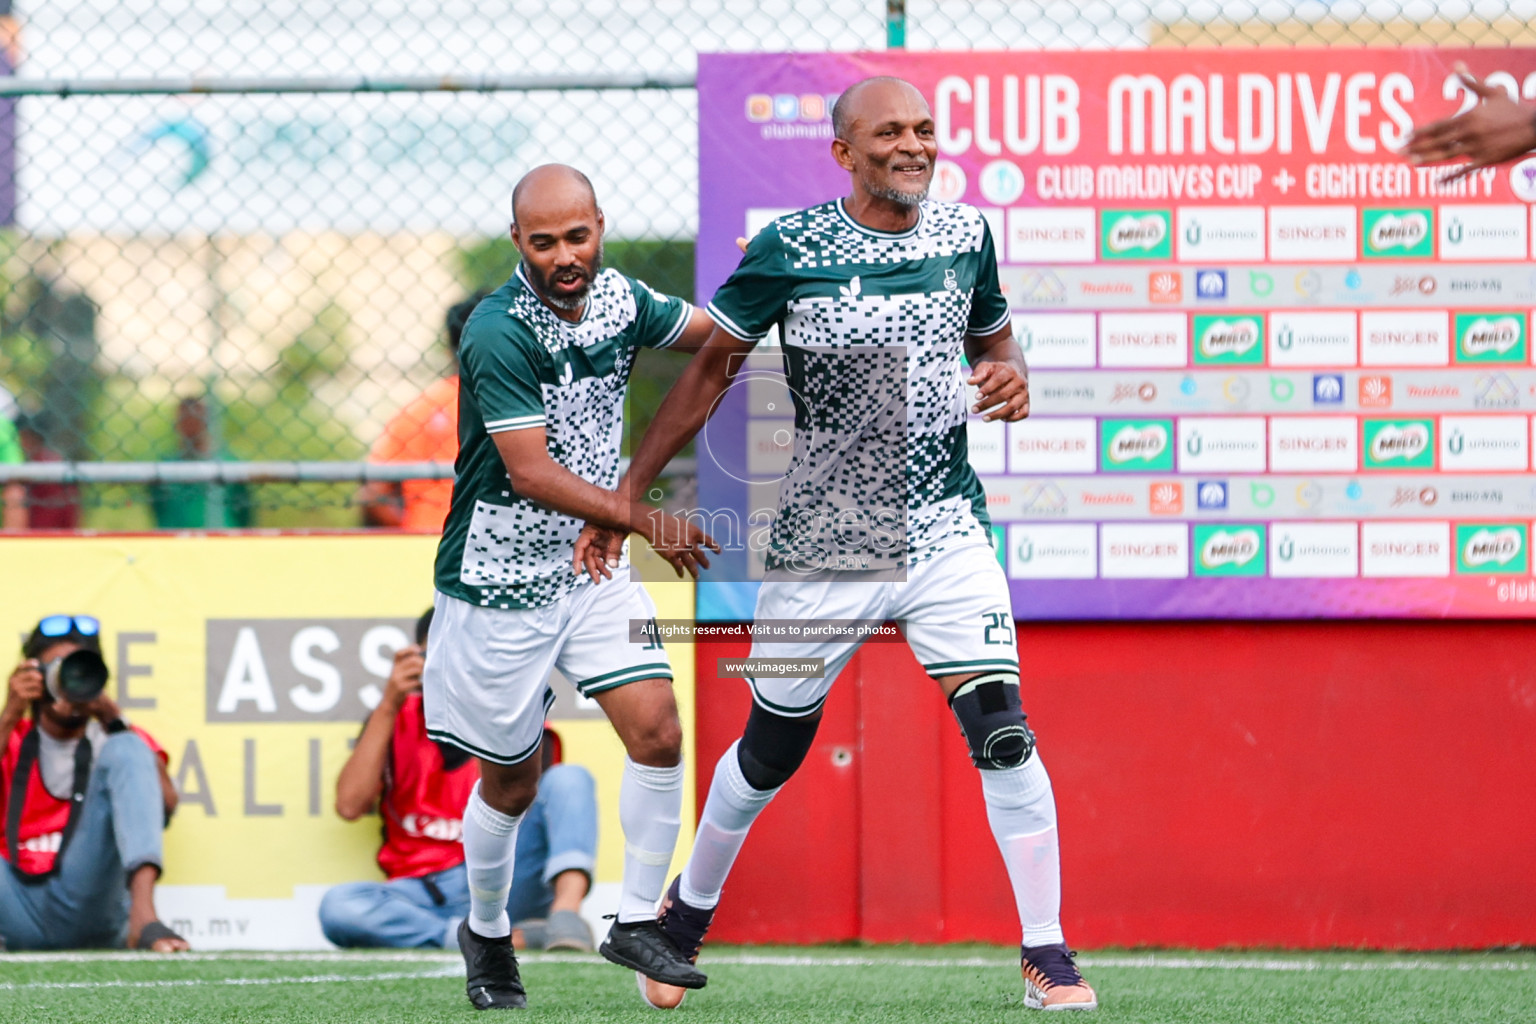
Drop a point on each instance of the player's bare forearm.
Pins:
(685, 410)
(999, 374)
(1495, 130)
(541, 479)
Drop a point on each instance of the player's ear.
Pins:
(602, 225)
(843, 154)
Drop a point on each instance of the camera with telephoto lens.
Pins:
(78, 677)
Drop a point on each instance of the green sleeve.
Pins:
(755, 297)
(659, 318)
(10, 443)
(989, 308)
(500, 364)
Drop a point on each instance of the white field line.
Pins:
(312, 979)
(1154, 961)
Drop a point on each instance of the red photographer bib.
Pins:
(423, 804)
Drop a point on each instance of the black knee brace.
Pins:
(773, 746)
(992, 720)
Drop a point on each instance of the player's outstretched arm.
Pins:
(682, 415)
(1496, 130)
(999, 373)
(541, 479)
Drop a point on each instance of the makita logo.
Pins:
(1113, 499)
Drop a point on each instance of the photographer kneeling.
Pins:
(83, 799)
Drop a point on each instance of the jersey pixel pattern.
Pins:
(822, 236)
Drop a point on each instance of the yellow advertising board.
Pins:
(253, 661)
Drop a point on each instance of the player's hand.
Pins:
(679, 540)
(104, 709)
(598, 550)
(1004, 391)
(404, 675)
(26, 684)
(1495, 130)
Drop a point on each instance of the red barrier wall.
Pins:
(1257, 784)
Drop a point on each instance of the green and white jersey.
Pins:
(874, 327)
(520, 367)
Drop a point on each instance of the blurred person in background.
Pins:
(49, 506)
(84, 796)
(420, 788)
(426, 430)
(198, 506)
(13, 494)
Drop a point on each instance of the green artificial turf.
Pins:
(920, 985)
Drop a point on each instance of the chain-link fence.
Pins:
(229, 231)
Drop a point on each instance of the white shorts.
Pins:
(953, 609)
(485, 687)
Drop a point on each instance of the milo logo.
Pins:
(1136, 234)
(1490, 338)
(1397, 233)
(1399, 443)
(1130, 443)
(1229, 551)
(1221, 339)
(1491, 548)
(1138, 445)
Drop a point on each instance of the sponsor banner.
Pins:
(1305, 444)
(1221, 234)
(1057, 340)
(1491, 338)
(1397, 234)
(1051, 235)
(1258, 317)
(1308, 234)
(1221, 444)
(1314, 550)
(1483, 232)
(1312, 339)
(1489, 549)
(1404, 339)
(253, 662)
(1137, 446)
(1405, 549)
(1053, 551)
(1229, 550)
(1148, 551)
(1053, 445)
(1481, 443)
(1143, 340)
(1229, 340)
(1398, 444)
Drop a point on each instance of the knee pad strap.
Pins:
(992, 720)
(773, 746)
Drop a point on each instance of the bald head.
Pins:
(552, 187)
(867, 100)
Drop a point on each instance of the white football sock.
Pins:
(650, 811)
(490, 845)
(1022, 812)
(733, 805)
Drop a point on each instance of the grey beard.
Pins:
(571, 302)
(896, 195)
(568, 303)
